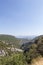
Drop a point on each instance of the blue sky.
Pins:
(21, 17)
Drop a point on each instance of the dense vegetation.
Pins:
(15, 59)
(32, 50)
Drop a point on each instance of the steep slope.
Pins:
(37, 40)
(33, 49)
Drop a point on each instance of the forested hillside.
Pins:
(32, 51)
(9, 39)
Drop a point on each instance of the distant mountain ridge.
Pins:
(13, 40)
(10, 39)
(27, 37)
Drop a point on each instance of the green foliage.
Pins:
(15, 59)
(32, 53)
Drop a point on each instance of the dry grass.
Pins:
(37, 61)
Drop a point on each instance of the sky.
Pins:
(21, 17)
